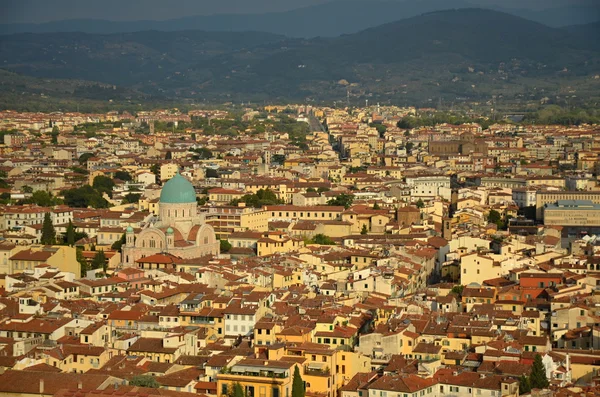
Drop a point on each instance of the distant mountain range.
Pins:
(326, 20)
(454, 55)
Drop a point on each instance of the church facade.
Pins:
(179, 229)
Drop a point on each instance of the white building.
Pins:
(524, 196)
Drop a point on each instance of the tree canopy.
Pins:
(144, 381)
(103, 184)
(99, 261)
(131, 198)
(117, 245)
(262, 197)
(83, 159)
(123, 175)
(343, 199)
(322, 239)
(225, 245)
(85, 196)
(42, 198)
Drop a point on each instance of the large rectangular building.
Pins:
(572, 213)
(552, 196)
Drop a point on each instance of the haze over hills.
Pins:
(327, 20)
(466, 54)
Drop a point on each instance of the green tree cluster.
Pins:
(277, 159)
(42, 198)
(131, 198)
(225, 245)
(554, 114)
(296, 130)
(262, 197)
(85, 196)
(144, 381)
(83, 159)
(103, 184)
(381, 129)
(343, 199)
(118, 245)
(322, 239)
(123, 175)
(202, 154)
(495, 217)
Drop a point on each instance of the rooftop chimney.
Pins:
(79, 385)
(41, 386)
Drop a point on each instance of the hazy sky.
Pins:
(13, 11)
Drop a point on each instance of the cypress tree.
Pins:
(82, 261)
(70, 235)
(48, 233)
(236, 391)
(297, 384)
(524, 385)
(538, 378)
(99, 261)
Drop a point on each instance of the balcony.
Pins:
(266, 374)
(314, 371)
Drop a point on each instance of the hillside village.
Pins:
(227, 252)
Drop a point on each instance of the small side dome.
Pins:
(170, 231)
(129, 229)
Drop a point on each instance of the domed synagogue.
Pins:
(179, 230)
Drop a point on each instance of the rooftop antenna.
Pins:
(366, 103)
(348, 97)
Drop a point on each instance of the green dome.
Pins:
(170, 231)
(129, 229)
(178, 190)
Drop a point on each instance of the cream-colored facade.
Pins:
(572, 213)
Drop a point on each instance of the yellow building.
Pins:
(230, 219)
(475, 268)
(263, 378)
(276, 242)
(168, 171)
(224, 196)
(58, 256)
(77, 358)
